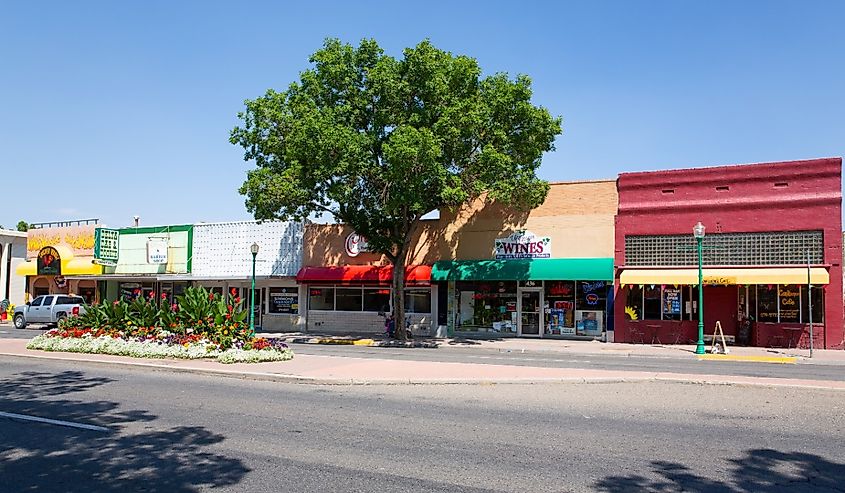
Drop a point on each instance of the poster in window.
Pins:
(285, 300)
(790, 300)
(671, 301)
(560, 319)
(589, 322)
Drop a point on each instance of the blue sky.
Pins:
(111, 109)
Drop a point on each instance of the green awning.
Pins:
(543, 269)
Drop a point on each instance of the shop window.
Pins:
(767, 303)
(418, 301)
(789, 300)
(348, 299)
(651, 302)
(818, 305)
(560, 301)
(487, 307)
(321, 299)
(377, 300)
(672, 302)
(284, 300)
(634, 303)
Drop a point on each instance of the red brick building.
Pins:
(763, 222)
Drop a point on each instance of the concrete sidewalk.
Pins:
(332, 370)
(737, 353)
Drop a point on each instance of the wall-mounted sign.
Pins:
(156, 251)
(523, 244)
(49, 262)
(284, 300)
(61, 282)
(355, 244)
(530, 284)
(106, 245)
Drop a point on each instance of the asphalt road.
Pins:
(178, 433)
(553, 359)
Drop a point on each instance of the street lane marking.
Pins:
(53, 421)
(758, 359)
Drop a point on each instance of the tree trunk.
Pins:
(399, 294)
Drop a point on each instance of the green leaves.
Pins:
(378, 141)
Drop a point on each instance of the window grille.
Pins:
(770, 248)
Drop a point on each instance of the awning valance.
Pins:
(554, 269)
(420, 274)
(775, 275)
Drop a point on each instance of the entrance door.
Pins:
(530, 312)
(720, 304)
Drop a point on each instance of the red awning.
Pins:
(416, 274)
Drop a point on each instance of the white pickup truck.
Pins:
(49, 309)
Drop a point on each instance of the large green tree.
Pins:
(377, 142)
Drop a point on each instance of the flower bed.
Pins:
(199, 325)
(259, 350)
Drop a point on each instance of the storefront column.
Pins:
(450, 309)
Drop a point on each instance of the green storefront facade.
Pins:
(538, 297)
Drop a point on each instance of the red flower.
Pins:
(164, 296)
(234, 292)
(237, 299)
(228, 316)
(230, 308)
(116, 302)
(152, 294)
(174, 306)
(211, 296)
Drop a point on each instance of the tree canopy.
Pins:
(377, 142)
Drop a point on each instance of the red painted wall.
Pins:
(752, 203)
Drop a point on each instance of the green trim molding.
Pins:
(544, 269)
(155, 229)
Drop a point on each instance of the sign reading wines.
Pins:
(523, 244)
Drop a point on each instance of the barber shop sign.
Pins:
(523, 244)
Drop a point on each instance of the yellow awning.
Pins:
(71, 266)
(80, 266)
(28, 268)
(781, 275)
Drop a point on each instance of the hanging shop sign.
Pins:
(156, 251)
(106, 246)
(61, 282)
(49, 262)
(523, 244)
(355, 244)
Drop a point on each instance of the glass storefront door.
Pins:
(530, 312)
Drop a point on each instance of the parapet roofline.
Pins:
(729, 166)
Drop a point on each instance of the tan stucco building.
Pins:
(483, 269)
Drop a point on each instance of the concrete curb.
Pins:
(352, 381)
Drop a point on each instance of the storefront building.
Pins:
(12, 255)
(222, 262)
(771, 251)
(59, 261)
(482, 271)
(139, 261)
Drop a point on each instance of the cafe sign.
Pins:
(355, 244)
(523, 244)
(49, 262)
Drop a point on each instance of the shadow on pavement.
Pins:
(129, 457)
(759, 471)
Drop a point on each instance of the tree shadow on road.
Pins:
(759, 471)
(130, 456)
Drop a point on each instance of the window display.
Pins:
(560, 302)
(487, 307)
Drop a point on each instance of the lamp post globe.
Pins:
(698, 233)
(254, 250)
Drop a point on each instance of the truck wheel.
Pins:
(60, 318)
(20, 322)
